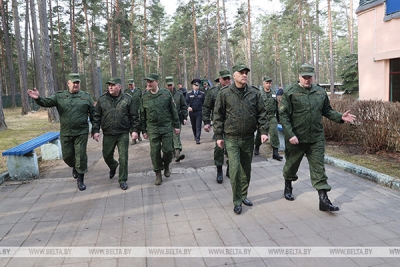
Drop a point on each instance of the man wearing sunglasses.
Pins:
(208, 106)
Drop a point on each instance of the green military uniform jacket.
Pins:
(238, 115)
(270, 103)
(180, 103)
(209, 103)
(115, 115)
(301, 112)
(74, 110)
(136, 95)
(158, 112)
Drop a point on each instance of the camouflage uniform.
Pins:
(158, 117)
(117, 117)
(269, 99)
(181, 107)
(300, 113)
(237, 115)
(74, 110)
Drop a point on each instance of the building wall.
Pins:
(378, 41)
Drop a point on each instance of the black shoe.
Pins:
(220, 179)
(288, 190)
(81, 185)
(257, 150)
(74, 173)
(198, 142)
(247, 202)
(275, 154)
(238, 209)
(112, 173)
(324, 203)
(123, 186)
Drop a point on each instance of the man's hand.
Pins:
(134, 135)
(190, 109)
(184, 122)
(264, 138)
(33, 93)
(220, 143)
(348, 117)
(96, 137)
(207, 128)
(177, 131)
(294, 140)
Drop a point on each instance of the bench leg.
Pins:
(51, 150)
(23, 167)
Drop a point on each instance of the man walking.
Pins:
(195, 100)
(239, 111)
(208, 107)
(270, 103)
(117, 116)
(158, 116)
(181, 108)
(300, 113)
(136, 94)
(74, 107)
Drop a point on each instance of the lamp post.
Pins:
(98, 67)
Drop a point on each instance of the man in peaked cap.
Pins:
(158, 116)
(269, 99)
(118, 117)
(181, 108)
(239, 111)
(74, 107)
(224, 80)
(300, 113)
(136, 94)
(195, 100)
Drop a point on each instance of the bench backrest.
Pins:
(30, 145)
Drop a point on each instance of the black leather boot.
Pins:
(288, 190)
(275, 154)
(219, 174)
(74, 173)
(324, 203)
(81, 185)
(256, 150)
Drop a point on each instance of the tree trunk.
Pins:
(3, 125)
(250, 80)
(332, 73)
(300, 25)
(23, 76)
(219, 37)
(9, 53)
(74, 63)
(53, 56)
(145, 36)
(132, 62)
(93, 73)
(228, 60)
(196, 53)
(110, 35)
(46, 58)
(185, 84)
(121, 57)
(63, 74)
(36, 45)
(351, 37)
(317, 43)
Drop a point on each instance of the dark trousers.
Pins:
(195, 120)
(74, 151)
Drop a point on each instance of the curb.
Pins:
(3, 177)
(365, 173)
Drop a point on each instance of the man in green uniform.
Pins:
(269, 98)
(136, 94)
(158, 116)
(208, 107)
(117, 116)
(74, 107)
(300, 112)
(238, 112)
(182, 109)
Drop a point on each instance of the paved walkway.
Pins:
(191, 210)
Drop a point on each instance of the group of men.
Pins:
(236, 109)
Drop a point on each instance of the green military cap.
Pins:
(239, 67)
(73, 77)
(169, 80)
(130, 81)
(267, 79)
(224, 73)
(306, 70)
(114, 80)
(152, 77)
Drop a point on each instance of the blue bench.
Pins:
(281, 138)
(22, 161)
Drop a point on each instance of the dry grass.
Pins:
(23, 128)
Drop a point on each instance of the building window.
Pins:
(392, 6)
(395, 80)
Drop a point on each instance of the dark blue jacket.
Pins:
(195, 102)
